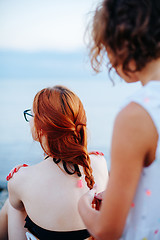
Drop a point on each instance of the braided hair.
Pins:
(59, 115)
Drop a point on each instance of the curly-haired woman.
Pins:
(129, 32)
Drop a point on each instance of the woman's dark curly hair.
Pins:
(129, 29)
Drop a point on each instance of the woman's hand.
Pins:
(89, 197)
(97, 200)
(14, 170)
(88, 212)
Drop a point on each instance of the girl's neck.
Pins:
(150, 72)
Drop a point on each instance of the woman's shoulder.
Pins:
(100, 169)
(97, 158)
(17, 176)
(132, 117)
(20, 174)
(98, 161)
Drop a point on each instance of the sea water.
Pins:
(100, 98)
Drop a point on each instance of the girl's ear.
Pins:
(41, 133)
(44, 142)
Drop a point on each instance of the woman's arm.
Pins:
(12, 223)
(14, 209)
(130, 145)
(15, 189)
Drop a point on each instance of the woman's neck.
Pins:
(150, 72)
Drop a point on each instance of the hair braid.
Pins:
(88, 172)
(81, 129)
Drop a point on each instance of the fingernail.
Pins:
(7, 178)
(25, 165)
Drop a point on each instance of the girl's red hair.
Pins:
(59, 115)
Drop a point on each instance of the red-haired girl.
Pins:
(44, 197)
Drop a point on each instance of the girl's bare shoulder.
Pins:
(100, 171)
(20, 177)
(98, 159)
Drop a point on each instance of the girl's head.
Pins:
(60, 127)
(129, 30)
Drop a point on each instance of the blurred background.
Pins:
(42, 44)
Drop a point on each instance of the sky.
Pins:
(33, 25)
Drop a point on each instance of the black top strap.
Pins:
(75, 170)
(56, 160)
(66, 169)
